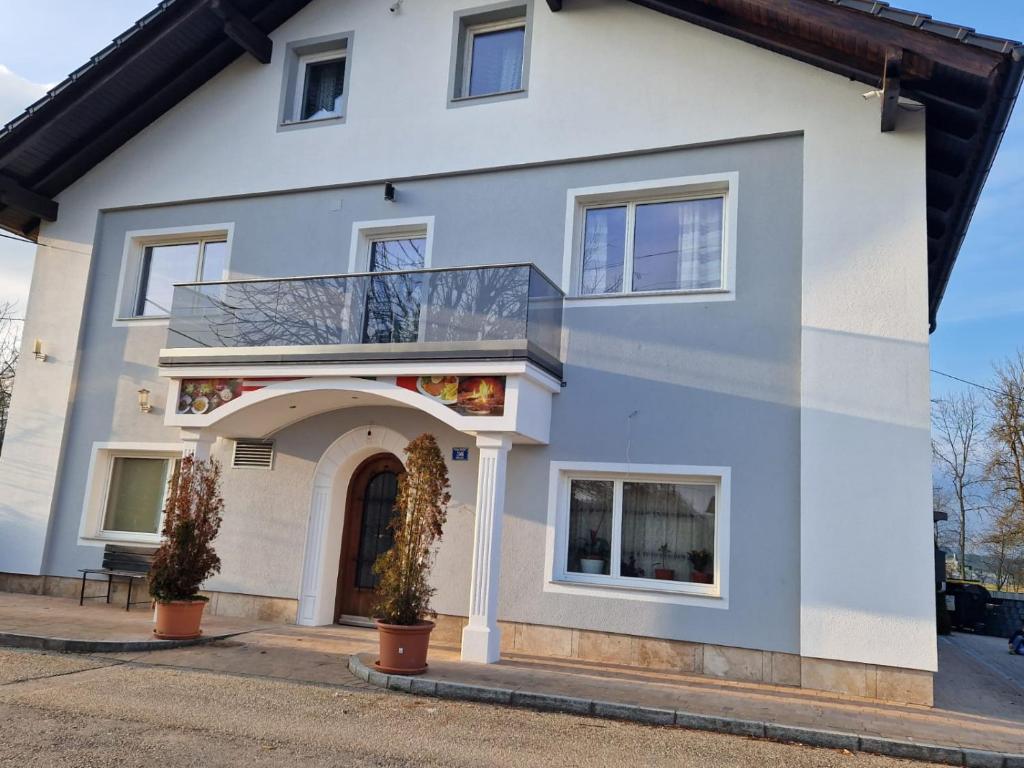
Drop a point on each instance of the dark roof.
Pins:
(968, 82)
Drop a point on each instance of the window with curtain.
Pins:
(623, 530)
(137, 494)
(639, 247)
(494, 59)
(165, 265)
(323, 89)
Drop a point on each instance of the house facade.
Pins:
(661, 293)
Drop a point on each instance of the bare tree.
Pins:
(10, 336)
(1005, 467)
(957, 435)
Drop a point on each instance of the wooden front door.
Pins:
(369, 508)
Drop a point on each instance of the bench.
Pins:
(129, 563)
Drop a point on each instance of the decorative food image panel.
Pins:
(468, 395)
(201, 396)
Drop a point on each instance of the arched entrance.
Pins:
(331, 480)
(369, 508)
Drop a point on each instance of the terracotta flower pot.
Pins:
(403, 649)
(665, 574)
(699, 577)
(179, 619)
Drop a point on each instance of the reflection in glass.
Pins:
(678, 246)
(393, 301)
(668, 531)
(604, 250)
(162, 267)
(590, 526)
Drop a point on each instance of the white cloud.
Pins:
(16, 93)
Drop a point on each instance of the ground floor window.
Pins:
(652, 531)
(137, 495)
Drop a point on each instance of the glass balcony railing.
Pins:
(501, 312)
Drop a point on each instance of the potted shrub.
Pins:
(186, 557)
(403, 595)
(593, 552)
(667, 574)
(701, 573)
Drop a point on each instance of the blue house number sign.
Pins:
(460, 454)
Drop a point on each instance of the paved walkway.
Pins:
(970, 719)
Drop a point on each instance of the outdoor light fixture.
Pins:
(389, 191)
(37, 351)
(144, 405)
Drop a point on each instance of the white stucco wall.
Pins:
(606, 77)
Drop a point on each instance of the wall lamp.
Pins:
(37, 351)
(144, 404)
(389, 191)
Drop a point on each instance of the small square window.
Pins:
(490, 56)
(323, 90)
(316, 81)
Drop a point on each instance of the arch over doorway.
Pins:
(326, 515)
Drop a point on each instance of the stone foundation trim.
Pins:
(934, 753)
(274, 610)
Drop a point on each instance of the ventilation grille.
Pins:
(253, 454)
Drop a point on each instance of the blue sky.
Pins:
(982, 315)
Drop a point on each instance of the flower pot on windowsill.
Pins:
(699, 577)
(403, 648)
(179, 619)
(665, 574)
(592, 564)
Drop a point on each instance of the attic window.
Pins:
(253, 454)
(490, 53)
(316, 80)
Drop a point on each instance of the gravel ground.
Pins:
(110, 714)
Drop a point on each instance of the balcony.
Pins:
(505, 312)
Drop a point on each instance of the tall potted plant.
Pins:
(186, 557)
(403, 593)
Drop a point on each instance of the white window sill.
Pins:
(701, 595)
(143, 320)
(652, 297)
(130, 539)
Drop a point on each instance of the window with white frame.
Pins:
(316, 81)
(491, 51)
(320, 94)
(127, 492)
(643, 531)
(493, 58)
(657, 245)
(662, 240)
(166, 264)
(136, 495)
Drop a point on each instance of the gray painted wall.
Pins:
(715, 383)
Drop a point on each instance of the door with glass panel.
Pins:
(367, 533)
(394, 295)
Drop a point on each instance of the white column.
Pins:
(481, 639)
(196, 442)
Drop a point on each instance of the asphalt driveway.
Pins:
(978, 677)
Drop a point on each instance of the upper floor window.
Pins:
(164, 265)
(672, 245)
(494, 63)
(322, 90)
(316, 81)
(665, 240)
(490, 56)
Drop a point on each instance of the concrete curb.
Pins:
(68, 645)
(813, 737)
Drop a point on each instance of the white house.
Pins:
(659, 276)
